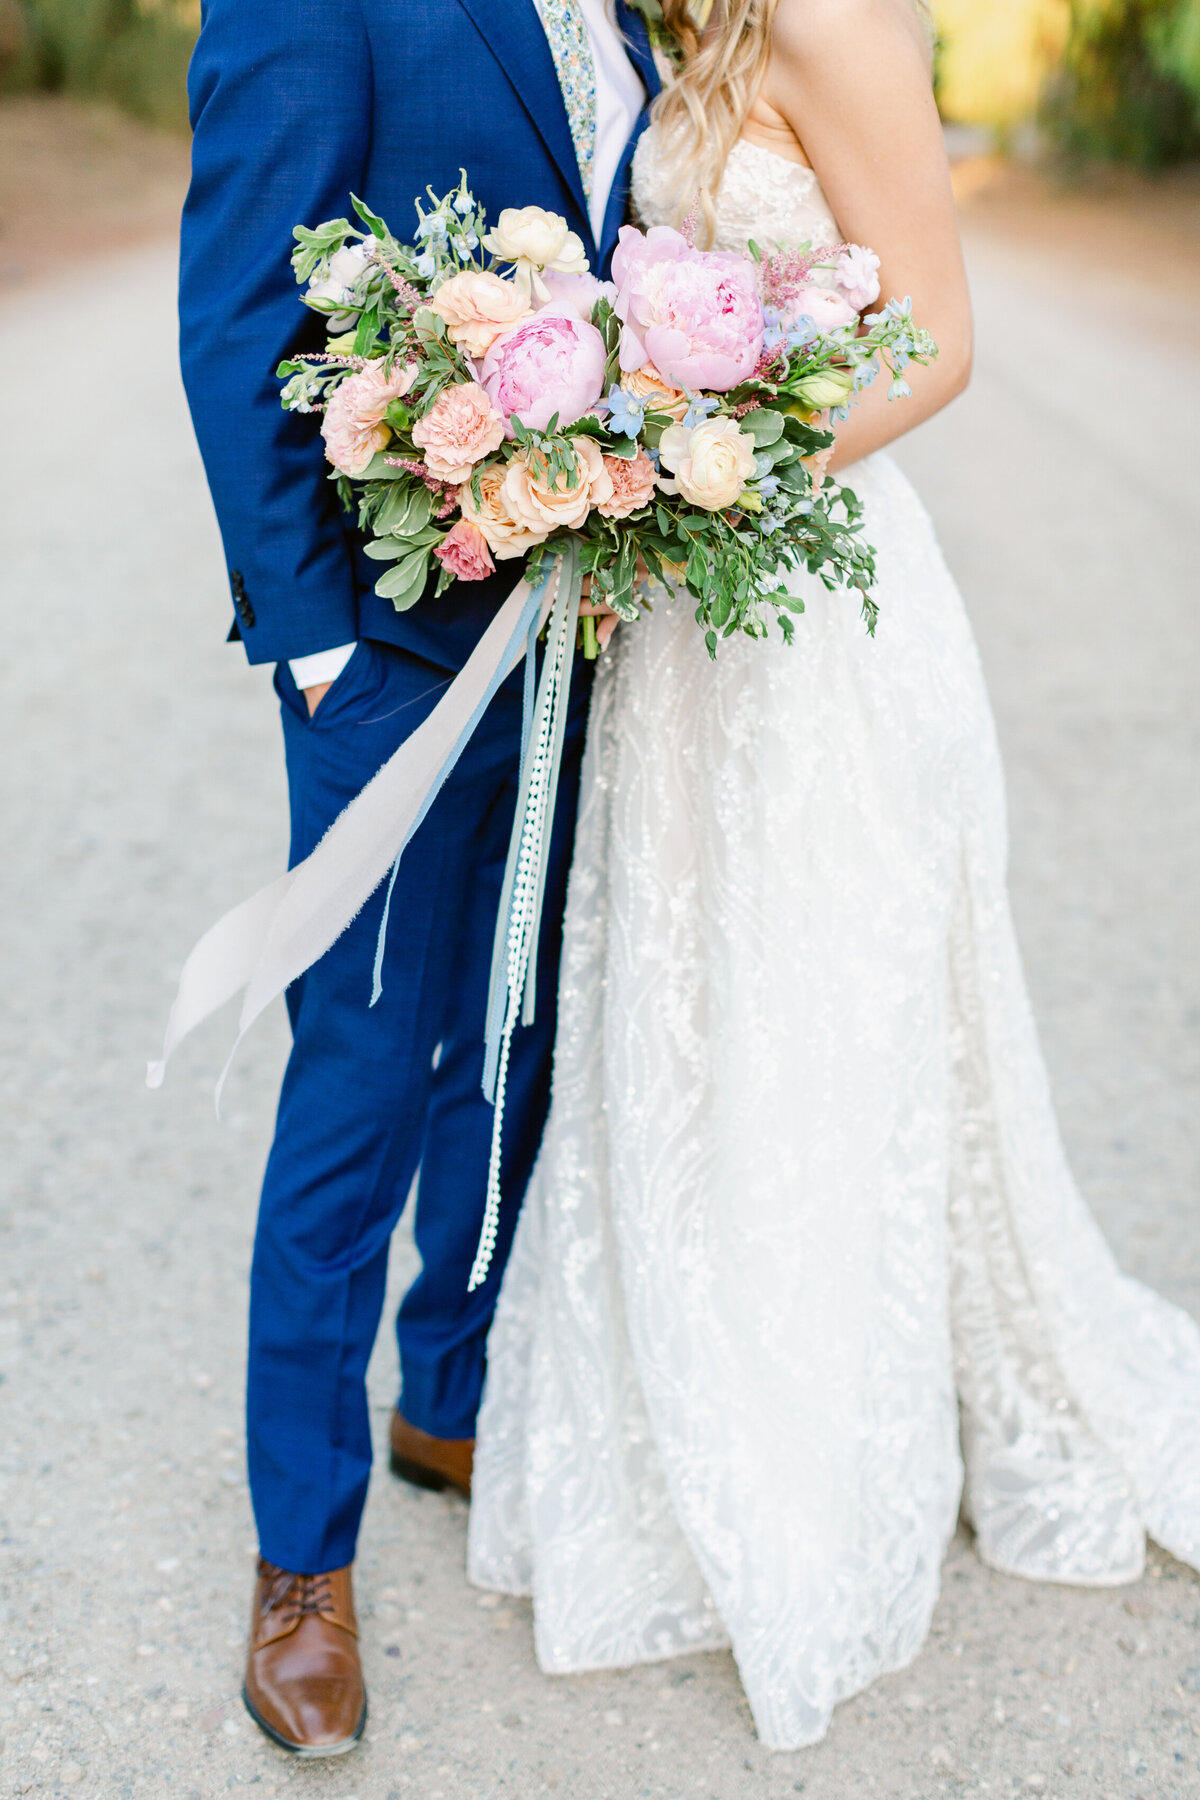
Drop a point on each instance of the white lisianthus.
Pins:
(825, 387)
(344, 270)
(534, 239)
(711, 463)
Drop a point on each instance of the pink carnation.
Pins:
(464, 551)
(459, 430)
(552, 363)
(353, 426)
(633, 484)
(695, 314)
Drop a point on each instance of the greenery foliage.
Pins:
(1128, 86)
(133, 52)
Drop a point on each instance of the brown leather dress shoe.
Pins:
(304, 1685)
(431, 1462)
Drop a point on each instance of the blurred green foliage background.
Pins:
(1107, 80)
(131, 52)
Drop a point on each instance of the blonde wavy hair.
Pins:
(701, 112)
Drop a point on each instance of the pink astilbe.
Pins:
(404, 289)
(690, 223)
(785, 272)
(446, 492)
(771, 366)
(337, 357)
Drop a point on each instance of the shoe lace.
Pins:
(297, 1596)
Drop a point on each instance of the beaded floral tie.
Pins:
(571, 48)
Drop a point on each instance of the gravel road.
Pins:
(143, 792)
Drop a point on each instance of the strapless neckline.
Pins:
(762, 195)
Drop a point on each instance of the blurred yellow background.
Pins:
(995, 56)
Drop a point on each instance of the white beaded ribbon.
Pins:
(513, 992)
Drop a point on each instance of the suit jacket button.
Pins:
(241, 603)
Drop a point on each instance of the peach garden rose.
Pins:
(506, 535)
(552, 505)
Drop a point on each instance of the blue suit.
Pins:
(296, 103)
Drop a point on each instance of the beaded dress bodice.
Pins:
(762, 195)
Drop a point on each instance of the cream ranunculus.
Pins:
(711, 463)
(535, 239)
(506, 535)
(554, 506)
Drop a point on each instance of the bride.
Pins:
(802, 1266)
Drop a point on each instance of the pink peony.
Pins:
(353, 426)
(459, 430)
(576, 292)
(464, 551)
(633, 484)
(823, 305)
(552, 363)
(477, 306)
(695, 314)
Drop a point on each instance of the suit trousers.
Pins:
(372, 1095)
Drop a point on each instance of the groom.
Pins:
(294, 106)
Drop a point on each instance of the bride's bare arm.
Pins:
(851, 78)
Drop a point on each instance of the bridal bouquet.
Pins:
(486, 399)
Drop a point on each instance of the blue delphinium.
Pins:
(626, 413)
(802, 332)
(698, 409)
(776, 332)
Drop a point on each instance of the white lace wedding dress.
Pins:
(802, 1257)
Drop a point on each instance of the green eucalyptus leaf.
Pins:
(404, 584)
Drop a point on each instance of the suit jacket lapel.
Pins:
(514, 34)
(637, 38)
(633, 24)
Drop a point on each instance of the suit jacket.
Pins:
(295, 103)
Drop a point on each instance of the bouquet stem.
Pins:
(591, 644)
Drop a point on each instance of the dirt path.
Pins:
(143, 791)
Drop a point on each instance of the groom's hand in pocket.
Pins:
(315, 695)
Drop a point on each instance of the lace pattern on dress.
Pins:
(802, 1242)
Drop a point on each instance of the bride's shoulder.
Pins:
(812, 33)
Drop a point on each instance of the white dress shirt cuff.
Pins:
(322, 666)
